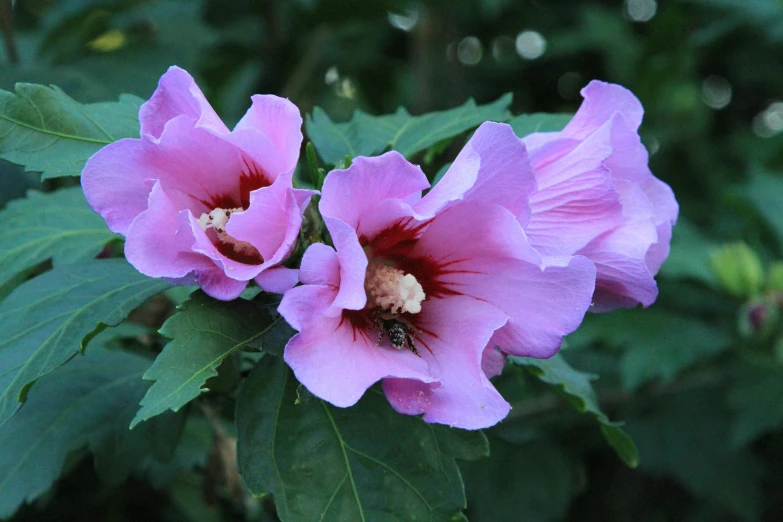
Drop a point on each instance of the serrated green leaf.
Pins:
(204, 332)
(82, 404)
(577, 386)
(367, 135)
(45, 130)
(46, 319)
(525, 124)
(57, 225)
(360, 463)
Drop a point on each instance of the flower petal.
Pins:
(354, 194)
(353, 265)
(177, 94)
(493, 167)
(601, 101)
(277, 279)
(624, 280)
(576, 200)
(490, 259)
(279, 120)
(455, 331)
(334, 361)
(160, 239)
(215, 283)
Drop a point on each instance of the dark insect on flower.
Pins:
(399, 331)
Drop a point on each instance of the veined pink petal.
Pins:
(491, 260)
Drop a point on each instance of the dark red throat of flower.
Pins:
(251, 178)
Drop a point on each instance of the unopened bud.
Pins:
(738, 270)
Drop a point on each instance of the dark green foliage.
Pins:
(361, 463)
(87, 403)
(49, 319)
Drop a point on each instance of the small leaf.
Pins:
(82, 404)
(525, 124)
(367, 135)
(46, 319)
(578, 388)
(204, 332)
(360, 463)
(45, 130)
(58, 225)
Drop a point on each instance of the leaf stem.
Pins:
(7, 24)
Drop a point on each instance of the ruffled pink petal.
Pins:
(118, 178)
(117, 183)
(576, 199)
(160, 239)
(454, 333)
(280, 121)
(493, 360)
(601, 101)
(353, 265)
(353, 195)
(490, 259)
(272, 221)
(260, 152)
(177, 94)
(277, 279)
(620, 255)
(303, 307)
(493, 167)
(334, 361)
(215, 283)
(320, 266)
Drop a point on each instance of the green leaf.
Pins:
(531, 481)
(45, 130)
(756, 401)
(577, 386)
(525, 124)
(46, 320)
(82, 404)
(687, 436)
(204, 332)
(58, 225)
(765, 191)
(367, 135)
(658, 345)
(360, 463)
(690, 254)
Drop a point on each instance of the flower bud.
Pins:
(738, 270)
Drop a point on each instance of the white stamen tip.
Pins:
(391, 289)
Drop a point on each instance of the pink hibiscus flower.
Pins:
(416, 287)
(597, 197)
(199, 203)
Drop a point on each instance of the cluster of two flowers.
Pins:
(503, 256)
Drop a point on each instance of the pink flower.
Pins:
(597, 197)
(416, 288)
(197, 202)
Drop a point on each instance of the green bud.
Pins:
(775, 276)
(738, 270)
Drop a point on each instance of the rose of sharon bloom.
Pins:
(199, 203)
(416, 288)
(597, 197)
